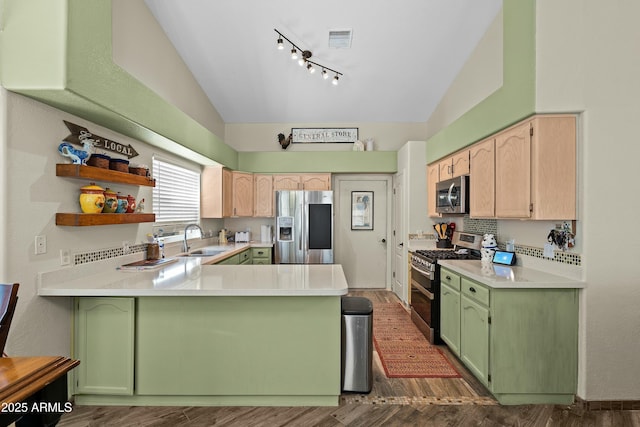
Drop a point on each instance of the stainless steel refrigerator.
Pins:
(304, 227)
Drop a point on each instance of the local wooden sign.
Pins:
(79, 133)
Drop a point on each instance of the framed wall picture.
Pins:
(362, 210)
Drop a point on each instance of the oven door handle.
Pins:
(429, 274)
(422, 290)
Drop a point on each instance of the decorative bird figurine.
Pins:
(284, 142)
(77, 156)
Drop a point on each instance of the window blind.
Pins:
(176, 196)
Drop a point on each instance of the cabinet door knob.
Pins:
(472, 289)
(448, 277)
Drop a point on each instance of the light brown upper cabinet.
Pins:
(456, 165)
(316, 181)
(536, 169)
(309, 181)
(263, 195)
(286, 182)
(482, 170)
(225, 193)
(216, 192)
(242, 193)
(433, 177)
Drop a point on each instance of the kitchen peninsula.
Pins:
(195, 334)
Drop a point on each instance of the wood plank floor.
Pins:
(392, 402)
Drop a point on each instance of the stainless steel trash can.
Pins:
(357, 344)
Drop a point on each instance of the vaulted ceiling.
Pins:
(403, 55)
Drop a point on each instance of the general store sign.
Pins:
(79, 133)
(324, 135)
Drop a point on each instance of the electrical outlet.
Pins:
(65, 257)
(41, 244)
(125, 247)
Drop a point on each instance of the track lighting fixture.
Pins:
(303, 59)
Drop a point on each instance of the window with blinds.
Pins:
(176, 196)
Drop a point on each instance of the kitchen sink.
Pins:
(205, 252)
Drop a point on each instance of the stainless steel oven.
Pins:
(425, 281)
(425, 297)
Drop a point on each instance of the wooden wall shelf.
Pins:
(100, 174)
(82, 219)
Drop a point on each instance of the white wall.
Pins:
(411, 161)
(263, 136)
(31, 197)
(479, 78)
(141, 47)
(587, 61)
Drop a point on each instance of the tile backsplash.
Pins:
(484, 226)
(102, 254)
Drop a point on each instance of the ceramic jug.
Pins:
(131, 206)
(123, 203)
(91, 198)
(110, 201)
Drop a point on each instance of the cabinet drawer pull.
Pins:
(448, 277)
(472, 289)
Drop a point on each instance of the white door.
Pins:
(361, 247)
(399, 274)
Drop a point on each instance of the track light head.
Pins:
(335, 80)
(294, 53)
(280, 43)
(310, 68)
(325, 75)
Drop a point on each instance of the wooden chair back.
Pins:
(8, 302)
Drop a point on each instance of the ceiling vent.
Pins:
(340, 39)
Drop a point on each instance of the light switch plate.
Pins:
(65, 257)
(548, 250)
(41, 244)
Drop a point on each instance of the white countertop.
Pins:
(502, 276)
(194, 276)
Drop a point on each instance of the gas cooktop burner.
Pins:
(436, 254)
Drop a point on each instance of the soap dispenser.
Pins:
(222, 237)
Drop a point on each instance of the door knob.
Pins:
(383, 240)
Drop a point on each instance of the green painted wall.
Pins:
(66, 62)
(325, 161)
(514, 101)
(89, 84)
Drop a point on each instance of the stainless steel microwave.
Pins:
(452, 195)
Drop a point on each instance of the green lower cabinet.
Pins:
(104, 343)
(534, 345)
(450, 318)
(232, 260)
(522, 344)
(474, 338)
(244, 257)
(203, 351)
(253, 350)
(261, 255)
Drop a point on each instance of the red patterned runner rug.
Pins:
(403, 350)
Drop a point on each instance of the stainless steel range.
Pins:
(425, 281)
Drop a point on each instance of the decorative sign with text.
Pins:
(79, 133)
(324, 135)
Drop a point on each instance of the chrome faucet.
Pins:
(185, 246)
